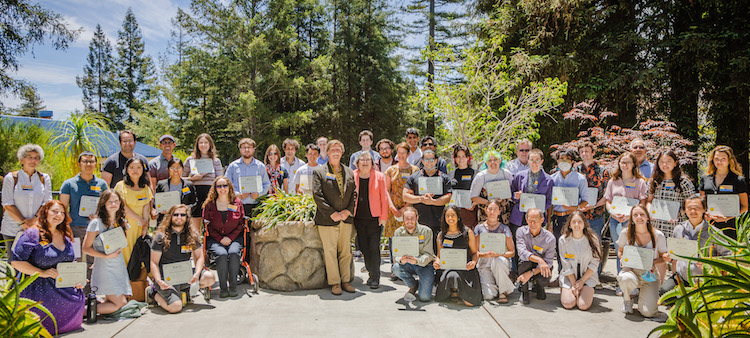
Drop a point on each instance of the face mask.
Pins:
(564, 166)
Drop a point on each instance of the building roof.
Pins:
(111, 144)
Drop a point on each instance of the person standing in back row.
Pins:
(365, 141)
(113, 168)
(290, 163)
(204, 149)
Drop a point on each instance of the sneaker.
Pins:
(394, 277)
(150, 295)
(618, 292)
(409, 297)
(224, 293)
(233, 292)
(374, 284)
(627, 307)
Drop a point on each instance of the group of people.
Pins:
(394, 190)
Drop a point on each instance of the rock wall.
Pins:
(288, 256)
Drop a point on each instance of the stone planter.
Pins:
(288, 256)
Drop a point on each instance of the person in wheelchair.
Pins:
(175, 242)
(223, 216)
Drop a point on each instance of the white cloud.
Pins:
(36, 72)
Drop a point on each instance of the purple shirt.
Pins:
(519, 184)
(543, 245)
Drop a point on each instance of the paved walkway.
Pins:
(381, 313)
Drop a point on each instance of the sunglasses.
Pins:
(180, 215)
(428, 144)
(222, 186)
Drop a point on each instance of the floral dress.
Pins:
(277, 176)
(398, 178)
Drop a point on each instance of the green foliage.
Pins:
(152, 122)
(718, 304)
(16, 318)
(81, 132)
(31, 102)
(12, 137)
(283, 207)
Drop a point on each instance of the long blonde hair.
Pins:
(734, 166)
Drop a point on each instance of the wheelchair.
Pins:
(245, 275)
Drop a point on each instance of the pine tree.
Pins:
(98, 79)
(133, 71)
(32, 103)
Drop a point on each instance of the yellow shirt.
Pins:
(135, 200)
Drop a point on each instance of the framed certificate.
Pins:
(113, 239)
(492, 242)
(498, 189)
(177, 273)
(87, 206)
(405, 246)
(623, 205)
(682, 247)
(430, 185)
(531, 201)
(664, 210)
(637, 258)
(592, 194)
(305, 182)
(70, 274)
(565, 196)
(453, 259)
(202, 166)
(723, 205)
(165, 200)
(251, 184)
(461, 198)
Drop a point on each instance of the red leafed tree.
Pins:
(612, 140)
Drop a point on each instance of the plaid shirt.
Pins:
(597, 177)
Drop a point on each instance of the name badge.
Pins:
(95, 188)
(330, 176)
(630, 185)
(421, 239)
(570, 256)
(185, 190)
(142, 197)
(404, 175)
(538, 249)
(232, 207)
(466, 178)
(448, 243)
(726, 188)
(27, 187)
(185, 249)
(669, 185)
(536, 183)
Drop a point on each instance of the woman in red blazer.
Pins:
(370, 214)
(223, 216)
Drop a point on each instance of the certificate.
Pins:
(724, 205)
(498, 189)
(70, 274)
(637, 258)
(592, 194)
(682, 247)
(492, 242)
(430, 185)
(251, 184)
(177, 273)
(87, 206)
(461, 198)
(405, 246)
(623, 205)
(165, 200)
(305, 182)
(113, 239)
(453, 259)
(531, 201)
(202, 166)
(664, 210)
(565, 196)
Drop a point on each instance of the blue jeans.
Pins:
(615, 228)
(227, 261)
(426, 275)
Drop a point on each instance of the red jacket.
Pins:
(217, 229)
(378, 195)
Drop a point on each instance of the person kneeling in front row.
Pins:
(408, 266)
(536, 251)
(175, 241)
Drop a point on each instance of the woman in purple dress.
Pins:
(38, 250)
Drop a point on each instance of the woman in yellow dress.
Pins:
(395, 180)
(137, 195)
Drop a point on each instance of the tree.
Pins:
(22, 25)
(31, 103)
(134, 71)
(98, 80)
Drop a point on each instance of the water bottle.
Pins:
(91, 304)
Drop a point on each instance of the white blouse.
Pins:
(575, 253)
(28, 195)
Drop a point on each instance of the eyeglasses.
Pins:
(222, 186)
(385, 148)
(428, 159)
(638, 147)
(428, 144)
(524, 150)
(180, 215)
(175, 168)
(88, 162)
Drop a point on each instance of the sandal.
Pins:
(502, 298)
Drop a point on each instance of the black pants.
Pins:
(558, 222)
(514, 261)
(538, 279)
(368, 238)
(201, 193)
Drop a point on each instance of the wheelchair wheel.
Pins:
(254, 284)
(242, 276)
(206, 294)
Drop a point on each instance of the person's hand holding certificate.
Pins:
(430, 185)
(251, 184)
(664, 210)
(492, 242)
(723, 205)
(565, 196)
(113, 240)
(452, 259)
(70, 274)
(405, 246)
(87, 206)
(681, 247)
(165, 200)
(461, 198)
(177, 273)
(498, 189)
(622, 205)
(202, 166)
(531, 201)
(637, 258)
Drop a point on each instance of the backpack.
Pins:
(15, 178)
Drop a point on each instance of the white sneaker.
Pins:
(409, 297)
(627, 306)
(618, 292)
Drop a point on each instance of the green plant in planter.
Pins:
(718, 304)
(16, 318)
(284, 207)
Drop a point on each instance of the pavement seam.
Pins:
(131, 322)
(496, 322)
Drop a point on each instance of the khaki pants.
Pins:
(648, 298)
(337, 252)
